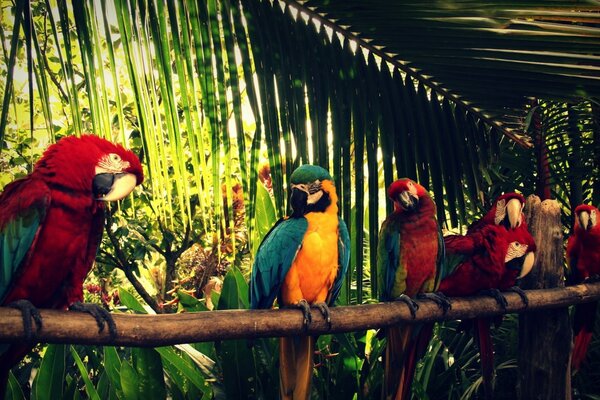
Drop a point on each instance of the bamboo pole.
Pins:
(545, 337)
(168, 329)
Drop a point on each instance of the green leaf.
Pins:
(130, 301)
(89, 386)
(49, 381)
(112, 367)
(14, 391)
(148, 365)
(129, 381)
(265, 215)
(175, 362)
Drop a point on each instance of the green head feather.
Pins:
(309, 173)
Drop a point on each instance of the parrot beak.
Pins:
(527, 264)
(513, 213)
(584, 220)
(112, 187)
(407, 201)
(298, 202)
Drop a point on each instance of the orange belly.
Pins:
(315, 267)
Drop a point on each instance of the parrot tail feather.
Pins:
(296, 366)
(486, 353)
(583, 328)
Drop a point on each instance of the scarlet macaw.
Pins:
(409, 256)
(51, 225)
(583, 258)
(302, 262)
(496, 252)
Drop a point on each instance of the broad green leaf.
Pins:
(172, 360)
(130, 301)
(14, 391)
(148, 365)
(49, 381)
(129, 381)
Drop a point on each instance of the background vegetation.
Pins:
(222, 100)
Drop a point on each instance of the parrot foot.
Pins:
(29, 312)
(100, 314)
(521, 294)
(438, 298)
(499, 297)
(324, 309)
(413, 306)
(305, 308)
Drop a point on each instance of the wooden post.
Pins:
(545, 336)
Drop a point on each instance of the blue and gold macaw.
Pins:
(302, 262)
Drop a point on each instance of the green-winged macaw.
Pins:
(51, 225)
(302, 262)
(496, 251)
(583, 258)
(410, 255)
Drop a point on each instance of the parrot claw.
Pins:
(499, 297)
(438, 298)
(305, 307)
(324, 309)
(521, 293)
(413, 306)
(100, 314)
(29, 312)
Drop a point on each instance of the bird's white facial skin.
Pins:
(515, 250)
(312, 190)
(587, 220)
(111, 164)
(123, 184)
(514, 210)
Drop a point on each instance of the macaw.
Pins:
(583, 259)
(51, 224)
(302, 262)
(487, 260)
(410, 254)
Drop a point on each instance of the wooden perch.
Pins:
(168, 329)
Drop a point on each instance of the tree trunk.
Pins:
(545, 337)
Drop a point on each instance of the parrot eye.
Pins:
(314, 187)
(114, 157)
(111, 163)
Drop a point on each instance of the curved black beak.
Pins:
(298, 202)
(102, 184)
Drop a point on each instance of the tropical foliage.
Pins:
(222, 100)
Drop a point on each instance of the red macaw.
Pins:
(496, 252)
(51, 225)
(302, 262)
(583, 258)
(409, 260)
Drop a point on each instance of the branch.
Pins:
(127, 267)
(170, 329)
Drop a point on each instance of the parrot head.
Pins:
(585, 217)
(406, 194)
(312, 190)
(91, 165)
(520, 254)
(507, 211)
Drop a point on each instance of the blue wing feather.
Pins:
(344, 260)
(388, 258)
(23, 207)
(274, 259)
